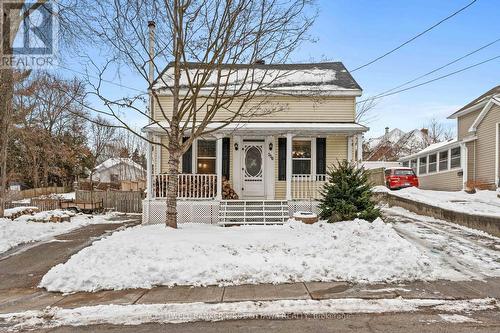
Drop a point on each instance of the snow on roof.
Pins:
(380, 164)
(432, 148)
(329, 76)
(393, 137)
(111, 162)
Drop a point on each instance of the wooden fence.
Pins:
(41, 204)
(121, 201)
(35, 192)
(376, 176)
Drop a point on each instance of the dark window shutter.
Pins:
(187, 158)
(281, 158)
(320, 156)
(225, 158)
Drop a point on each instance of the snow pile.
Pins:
(59, 196)
(13, 211)
(20, 231)
(191, 312)
(197, 254)
(46, 216)
(484, 203)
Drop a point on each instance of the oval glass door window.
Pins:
(253, 162)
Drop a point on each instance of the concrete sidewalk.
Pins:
(22, 299)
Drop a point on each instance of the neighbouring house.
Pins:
(276, 160)
(395, 144)
(472, 159)
(116, 170)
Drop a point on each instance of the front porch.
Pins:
(258, 162)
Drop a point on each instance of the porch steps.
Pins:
(237, 212)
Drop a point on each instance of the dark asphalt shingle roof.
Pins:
(343, 78)
(486, 95)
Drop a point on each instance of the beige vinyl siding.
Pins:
(336, 150)
(280, 109)
(486, 147)
(164, 155)
(471, 158)
(465, 122)
(442, 181)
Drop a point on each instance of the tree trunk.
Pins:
(172, 186)
(6, 96)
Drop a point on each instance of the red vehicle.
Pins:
(396, 178)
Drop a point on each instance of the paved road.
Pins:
(486, 321)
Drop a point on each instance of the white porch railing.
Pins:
(190, 186)
(307, 186)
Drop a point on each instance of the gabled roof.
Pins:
(307, 77)
(111, 162)
(481, 100)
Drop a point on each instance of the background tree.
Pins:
(48, 140)
(18, 12)
(217, 35)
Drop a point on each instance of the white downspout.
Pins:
(496, 153)
(464, 157)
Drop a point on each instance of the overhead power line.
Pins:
(414, 37)
(439, 68)
(103, 80)
(430, 81)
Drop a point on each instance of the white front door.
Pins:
(253, 169)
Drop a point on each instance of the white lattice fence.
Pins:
(188, 211)
(309, 206)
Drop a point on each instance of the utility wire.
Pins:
(439, 68)
(430, 81)
(101, 79)
(414, 37)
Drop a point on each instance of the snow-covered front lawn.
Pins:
(24, 230)
(198, 254)
(484, 203)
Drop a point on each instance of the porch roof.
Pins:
(273, 128)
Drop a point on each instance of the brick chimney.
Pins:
(425, 131)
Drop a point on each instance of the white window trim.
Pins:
(195, 154)
(428, 164)
(438, 169)
(312, 158)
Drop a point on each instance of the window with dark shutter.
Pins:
(225, 158)
(281, 158)
(187, 158)
(320, 156)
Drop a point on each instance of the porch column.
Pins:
(349, 149)
(360, 148)
(149, 169)
(289, 138)
(218, 166)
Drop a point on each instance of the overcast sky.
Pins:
(357, 31)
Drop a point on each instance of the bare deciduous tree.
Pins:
(364, 111)
(206, 58)
(438, 131)
(13, 15)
